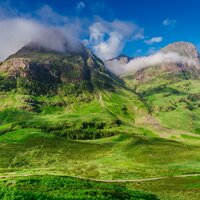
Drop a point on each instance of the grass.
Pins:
(171, 188)
(20, 135)
(118, 157)
(100, 107)
(172, 102)
(190, 137)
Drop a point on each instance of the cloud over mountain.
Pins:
(17, 32)
(107, 39)
(147, 61)
(53, 30)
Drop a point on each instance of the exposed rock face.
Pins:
(20, 69)
(122, 59)
(187, 50)
(182, 48)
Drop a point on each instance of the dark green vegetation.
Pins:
(65, 114)
(57, 188)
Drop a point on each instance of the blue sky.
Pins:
(109, 27)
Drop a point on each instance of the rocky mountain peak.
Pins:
(186, 49)
(122, 59)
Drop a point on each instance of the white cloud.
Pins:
(80, 6)
(107, 39)
(169, 22)
(50, 29)
(45, 27)
(138, 36)
(154, 40)
(17, 32)
(147, 61)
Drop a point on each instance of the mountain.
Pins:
(122, 59)
(187, 64)
(189, 68)
(39, 80)
(171, 90)
(72, 83)
(39, 65)
(182, 48)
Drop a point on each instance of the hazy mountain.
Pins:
(116, 63)
(189, 68)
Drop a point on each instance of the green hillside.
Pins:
(175, 103)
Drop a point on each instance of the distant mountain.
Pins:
(116, 63)
(185, 70)
(122, 59)
(182, 48)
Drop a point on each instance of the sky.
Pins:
(107, 27)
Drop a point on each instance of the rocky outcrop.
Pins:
(186, 49)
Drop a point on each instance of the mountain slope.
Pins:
(47, 90)
(171, 91)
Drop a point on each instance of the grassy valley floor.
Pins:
(32, 152)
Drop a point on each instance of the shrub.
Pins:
(125, 109)
(66, 188)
